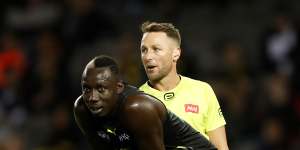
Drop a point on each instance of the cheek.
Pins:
(165, 59)
(85, 99)
(111, 102)
(85, 96)
(107, 96)
(143, 60)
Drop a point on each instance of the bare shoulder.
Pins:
(143, 109)
(142, 103)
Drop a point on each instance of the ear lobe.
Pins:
(120, 87)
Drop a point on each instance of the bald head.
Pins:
(103, 61)
(101, 85)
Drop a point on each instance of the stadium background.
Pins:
(247, 50)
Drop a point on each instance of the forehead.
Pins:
(154, 35)
(159, 38)
(99, 74)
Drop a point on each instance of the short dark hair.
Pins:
(167, 28)
(106, 61)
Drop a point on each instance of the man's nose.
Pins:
(94, 96)
(148, 55)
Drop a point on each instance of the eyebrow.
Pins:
(101, 83)
(104, 79)
(156, 45)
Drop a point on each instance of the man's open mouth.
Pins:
(96, 109)
(150, 67)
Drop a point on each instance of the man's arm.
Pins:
(216, 123)
(218, 138)
(84, 122)
(144, 121)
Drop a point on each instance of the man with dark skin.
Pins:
(114, 115)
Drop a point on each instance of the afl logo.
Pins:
(169, 96)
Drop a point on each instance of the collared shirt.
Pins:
(192, 100)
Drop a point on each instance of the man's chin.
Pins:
(154, 78)
(98, 112)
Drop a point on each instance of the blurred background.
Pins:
(247, 50)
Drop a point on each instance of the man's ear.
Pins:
(120, 87)
(176, 54)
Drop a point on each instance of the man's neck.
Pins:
(167, 83)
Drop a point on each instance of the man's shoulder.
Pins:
(144, 86)
(141, 101)
(190, 82)
(141, 108)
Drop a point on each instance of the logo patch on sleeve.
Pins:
(220, 112)
(191, 108)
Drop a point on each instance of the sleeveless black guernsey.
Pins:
(176, 131)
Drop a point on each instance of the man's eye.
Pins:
(86, 89)
(143, 50)
(156, 49)
(100, 89)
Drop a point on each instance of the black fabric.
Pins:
(179, 133)
(176, 131)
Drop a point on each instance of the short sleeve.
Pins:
(215, 117)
